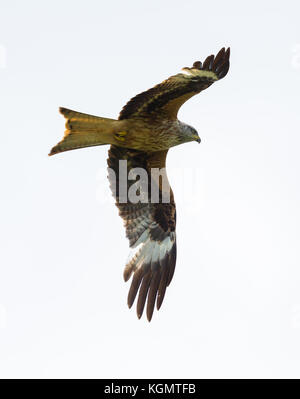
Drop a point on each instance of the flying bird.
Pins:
(142, 135)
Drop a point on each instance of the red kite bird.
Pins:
(141, 137)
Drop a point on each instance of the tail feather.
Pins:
(84, 130)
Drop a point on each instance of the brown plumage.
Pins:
(156, 221)
(147, 127)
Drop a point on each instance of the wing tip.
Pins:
(149, 317)
(218, 64)
(149, 284)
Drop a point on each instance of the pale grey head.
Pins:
(188, 133)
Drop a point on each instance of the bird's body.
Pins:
(147, 127)
(142, 133)
(158, 134)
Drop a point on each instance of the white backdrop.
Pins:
(233, 308)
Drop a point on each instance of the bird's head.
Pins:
(190, 133)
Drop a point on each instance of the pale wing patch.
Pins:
(191, 80)
(152, 265)
(199, 73)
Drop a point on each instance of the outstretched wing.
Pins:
(167, 97)
(150, 226)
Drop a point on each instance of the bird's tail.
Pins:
(83, 130)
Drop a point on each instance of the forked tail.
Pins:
(84, 130)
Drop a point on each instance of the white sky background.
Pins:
(233, 308)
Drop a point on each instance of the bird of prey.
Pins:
(141, 137)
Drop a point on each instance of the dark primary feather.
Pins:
(157, 222)
(167, 97)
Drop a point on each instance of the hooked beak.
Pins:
(197, 138)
